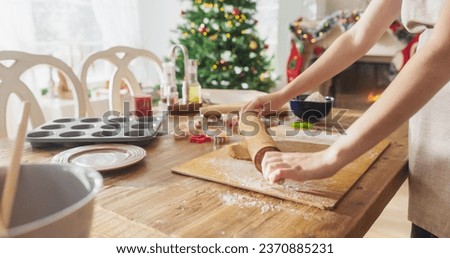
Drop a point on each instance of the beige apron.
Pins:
(429, 137)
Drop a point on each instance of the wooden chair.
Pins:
(11, 83)
(120, 57)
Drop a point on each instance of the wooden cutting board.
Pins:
(218, 166)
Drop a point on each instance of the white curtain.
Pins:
(16, 25)
(16, 33)
(119, 22)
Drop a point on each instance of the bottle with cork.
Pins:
(194, 87)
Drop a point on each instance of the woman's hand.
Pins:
(299, 166)
(266, 104)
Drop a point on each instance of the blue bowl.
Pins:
(309, 111)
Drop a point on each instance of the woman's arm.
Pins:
(347, 49)
(422, 77)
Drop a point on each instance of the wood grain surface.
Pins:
(148, 200)
(219, 167)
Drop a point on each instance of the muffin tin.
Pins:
(80, 131)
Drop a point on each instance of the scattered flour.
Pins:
(242, 201)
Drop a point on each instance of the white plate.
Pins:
(101, 157)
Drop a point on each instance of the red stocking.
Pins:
(295, 63)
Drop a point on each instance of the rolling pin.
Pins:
(218, 110)
(258, 140)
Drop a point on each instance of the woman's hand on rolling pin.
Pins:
(298, 166)
(266, 104)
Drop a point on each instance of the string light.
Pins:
(214, 66)
(228, 35)
(342, 19)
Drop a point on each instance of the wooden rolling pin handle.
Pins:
(259, 156)
(258, 140)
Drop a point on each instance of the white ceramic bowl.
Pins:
(53, 200)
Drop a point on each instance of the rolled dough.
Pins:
(239, 151)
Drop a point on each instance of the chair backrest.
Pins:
(120, 57)
(10, 82)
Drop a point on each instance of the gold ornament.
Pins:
(264, 76)
(253, 45)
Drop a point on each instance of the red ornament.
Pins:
(318, 51)
(202, 28)
(183, 13)
(266, 46)
(236, 11)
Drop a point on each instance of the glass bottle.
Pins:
(195, 89)
(169, 93)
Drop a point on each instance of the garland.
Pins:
(345, 20)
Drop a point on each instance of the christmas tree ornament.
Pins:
(202, 28)
(253, 45)
(236, 12)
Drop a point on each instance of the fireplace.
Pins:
(361, 84)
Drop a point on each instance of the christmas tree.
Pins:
(222, 36)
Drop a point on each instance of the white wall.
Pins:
(333, 5)
(158, 21)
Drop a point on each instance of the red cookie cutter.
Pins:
(199, 138)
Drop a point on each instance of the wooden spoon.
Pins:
(12, 175)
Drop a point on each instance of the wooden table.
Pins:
(148, 200)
